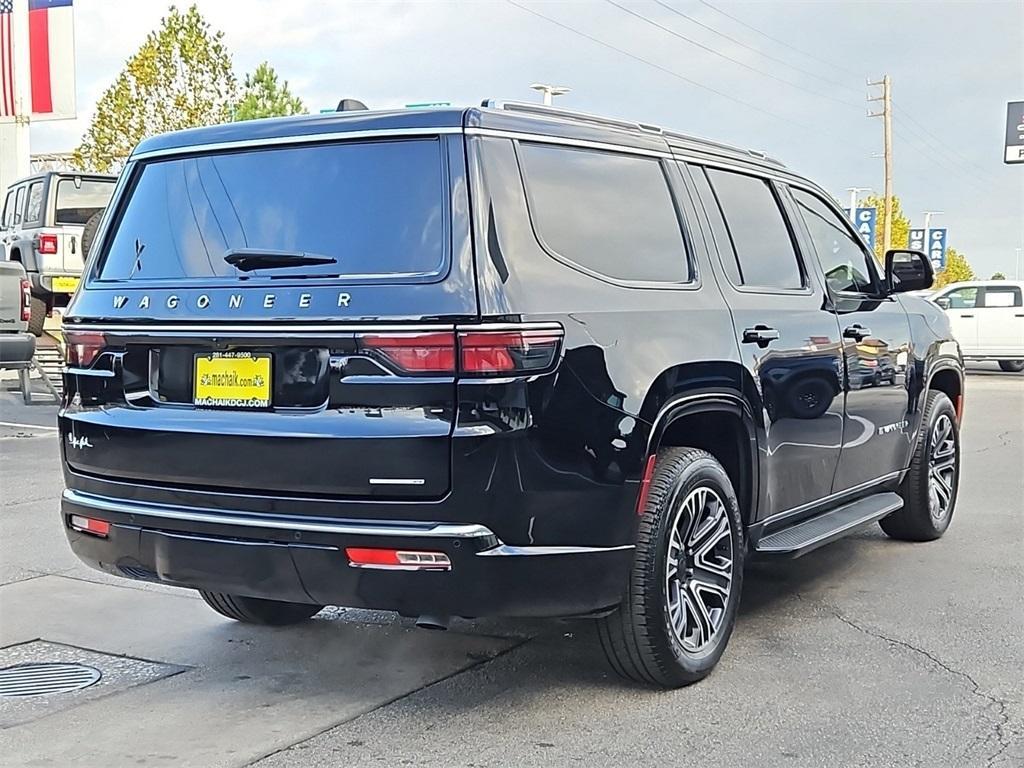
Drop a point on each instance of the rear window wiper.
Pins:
(248, 259)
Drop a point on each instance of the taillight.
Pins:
(83, 347)
(508, 352)
(26, 300)
(48, 244)
(477, 351)
(423, 353)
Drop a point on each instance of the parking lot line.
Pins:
(27, 426)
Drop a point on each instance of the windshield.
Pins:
(77, 204)
(375, 208)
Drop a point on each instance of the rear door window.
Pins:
(378, 209)
(765, 252)
(610, 213)
(79, 199)
(34, 206)
(1001, 296)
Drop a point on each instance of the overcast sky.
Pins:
(954, 67)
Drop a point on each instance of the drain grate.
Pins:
(46, 678)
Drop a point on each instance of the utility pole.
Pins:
(550, 91)
(886, 115)
(854, 191)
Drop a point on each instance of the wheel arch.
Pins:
(948, 377)
(722, 423)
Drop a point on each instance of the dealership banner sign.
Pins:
(1014, 149)
(865, 222)
(937, 248)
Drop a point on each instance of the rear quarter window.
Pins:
(379, 209)
(610, 213)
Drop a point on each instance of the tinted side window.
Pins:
(842, 258)
(8, 218)
(34, 207)
(718, 229)
(610, 213)
(19, 205)
(1001, 296)
(765, 251)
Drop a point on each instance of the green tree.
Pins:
(957, 269)
(180, 77)
(900, 224)
(998, 276)
(263, 95)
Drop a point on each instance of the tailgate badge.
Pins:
(80, 443)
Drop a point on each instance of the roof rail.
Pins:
(544, 109)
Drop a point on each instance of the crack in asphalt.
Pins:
(1002, 707)
(1004, 442)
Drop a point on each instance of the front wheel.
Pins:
(1012, 366)
(930, 488)
(684, 588)
(254, 610)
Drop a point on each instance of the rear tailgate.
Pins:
(333, 378)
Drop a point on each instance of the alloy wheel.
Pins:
(699, 569)
(941, 467)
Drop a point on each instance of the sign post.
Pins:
(1013, 152)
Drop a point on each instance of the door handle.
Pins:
(857, 332)
(965, 316)
(761, 335)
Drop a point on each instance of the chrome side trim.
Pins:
(199, 515)
(509, 550)
(397, 481)
(311, 138)
(582, 143)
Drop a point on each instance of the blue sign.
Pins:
(916, 240)
(865, 223)
(937, 248)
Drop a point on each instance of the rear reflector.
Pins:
(645, 484)
(83, 347)
(398, 559)
(90, 525)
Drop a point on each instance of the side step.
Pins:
(807, 536)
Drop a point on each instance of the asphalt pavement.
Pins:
(868, 652)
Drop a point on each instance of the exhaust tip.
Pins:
(427, 621)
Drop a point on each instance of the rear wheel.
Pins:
(1012, 366)
(37, 318)
(930, 488)
(680, 605)
(254, 610)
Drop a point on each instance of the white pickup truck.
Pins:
(987, 318)
(44, 221)
(16, 345)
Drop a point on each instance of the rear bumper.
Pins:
(16, 348)
(303, 560)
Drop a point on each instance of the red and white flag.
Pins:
(45, 51)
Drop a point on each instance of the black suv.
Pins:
(507, 360)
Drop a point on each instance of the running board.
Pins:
(807, 536)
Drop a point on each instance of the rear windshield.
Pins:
(376, 208)
(79, 199)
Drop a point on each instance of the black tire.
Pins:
(254, 610)
(638, 638)
(1012, 366)
(918, 520)
(89, 232)
(37, 318)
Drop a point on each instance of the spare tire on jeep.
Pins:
(89, 231)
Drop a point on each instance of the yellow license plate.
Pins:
(232, 380)
(65, 284)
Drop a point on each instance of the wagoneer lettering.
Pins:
(590, 373)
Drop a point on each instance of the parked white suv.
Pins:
(44, 222)
(987, 318)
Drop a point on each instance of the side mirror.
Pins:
(944, 302)
(907, 270)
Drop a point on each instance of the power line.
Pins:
(758, 51)
(966, 162)
(659, 67)
(783, 43)
(743, 64)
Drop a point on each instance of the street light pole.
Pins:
(854, 191)
(550, 91)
